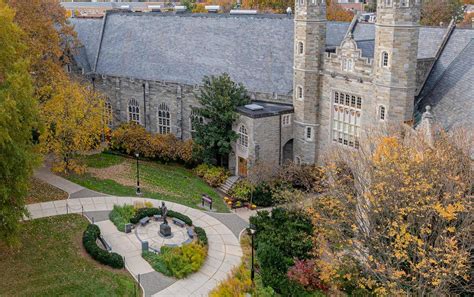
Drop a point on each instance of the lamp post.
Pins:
(252, 271)
(138, 175)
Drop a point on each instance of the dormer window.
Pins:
(300, 48)
(299, 92)
(384, 59)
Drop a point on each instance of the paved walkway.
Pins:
(224, 248)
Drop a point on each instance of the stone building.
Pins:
(314, 84)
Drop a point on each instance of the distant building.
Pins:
(355, 5)
(98, 9)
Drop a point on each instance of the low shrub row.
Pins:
(201, 235)
(131, 138)
(178, 262)
(151, 211)
(89, 240)
(121, 215)
(213, 175)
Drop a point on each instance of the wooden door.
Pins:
(242, 167)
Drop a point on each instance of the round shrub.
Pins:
(89, 240)
(262, 196)
(241, 190)
(201, 235)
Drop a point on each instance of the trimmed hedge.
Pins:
(120, 216)
(201, 235)
(89, 240)
(151, 211)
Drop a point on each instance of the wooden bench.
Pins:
(158, 218)
(144, 221)
(179, 222)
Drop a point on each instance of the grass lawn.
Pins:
(40, 191)
(116, 175)
(52, 262)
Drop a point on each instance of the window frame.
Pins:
(384, 59)
(108, 113)
(243, 139)
(133, 111)
(299, 93)
(382, 112)
(164, 119)
(300, 47)
(192, 117)
(286, 120)
(311, 133)
(346, 119)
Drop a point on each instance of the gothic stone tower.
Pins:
(395, 59)
(310, 42)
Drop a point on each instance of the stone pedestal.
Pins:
(165, 230)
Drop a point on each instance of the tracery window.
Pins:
(243, 136)
(133, 111)
(195, 117)
(164, 119)
(346, 119)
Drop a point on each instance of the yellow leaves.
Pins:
(449, 211)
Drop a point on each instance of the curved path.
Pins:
(224, 248)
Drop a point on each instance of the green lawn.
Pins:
(52, 262)
(171, 182)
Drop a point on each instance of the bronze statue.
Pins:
(164, 212)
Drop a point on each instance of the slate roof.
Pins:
(269, 109)
(452, 97)
(256, 50)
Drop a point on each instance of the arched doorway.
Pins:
(288, 151)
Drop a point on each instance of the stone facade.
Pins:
(338, 93)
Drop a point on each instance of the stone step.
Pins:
(228, 184)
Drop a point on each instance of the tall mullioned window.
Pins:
(195, 117)
(346, 119)
(243, 137)
(133, 111)
(164, 119)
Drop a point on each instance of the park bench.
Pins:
(157, 217)
(171, 244)
(191, 232)
(179, 222)
(144, 221)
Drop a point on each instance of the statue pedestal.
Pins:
(165, 230)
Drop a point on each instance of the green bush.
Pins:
(241, 190)
(89, 240)
(151, 211)
(201, 235)
(201, 169)
(177, 261)
(144, 212)
(180, 216)
(262, 195)
(282, 236)
(121, 215)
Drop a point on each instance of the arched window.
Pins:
(300, 48)
(195, 117)
(164, 119)
(243, 136)
(384, 59)
(299, 92)
(108, 114)
(382, 112)
(133, 111)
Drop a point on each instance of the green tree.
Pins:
(18, 118)
(219, 97)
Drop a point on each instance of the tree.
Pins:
(401, 208)
(18, 118)
(49, 38)
(335, 12)
(434, 12)
(73, 118)
(219, 97)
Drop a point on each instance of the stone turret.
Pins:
(395, 59)
(310, 42)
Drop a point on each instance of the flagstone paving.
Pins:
(224, 248)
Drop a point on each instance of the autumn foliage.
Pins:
(400, 207)
(132, 138)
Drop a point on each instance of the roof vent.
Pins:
(156, 8)
(180, 8)
(243, 11)
(125, 7)
(253, 107)
(212, 8)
